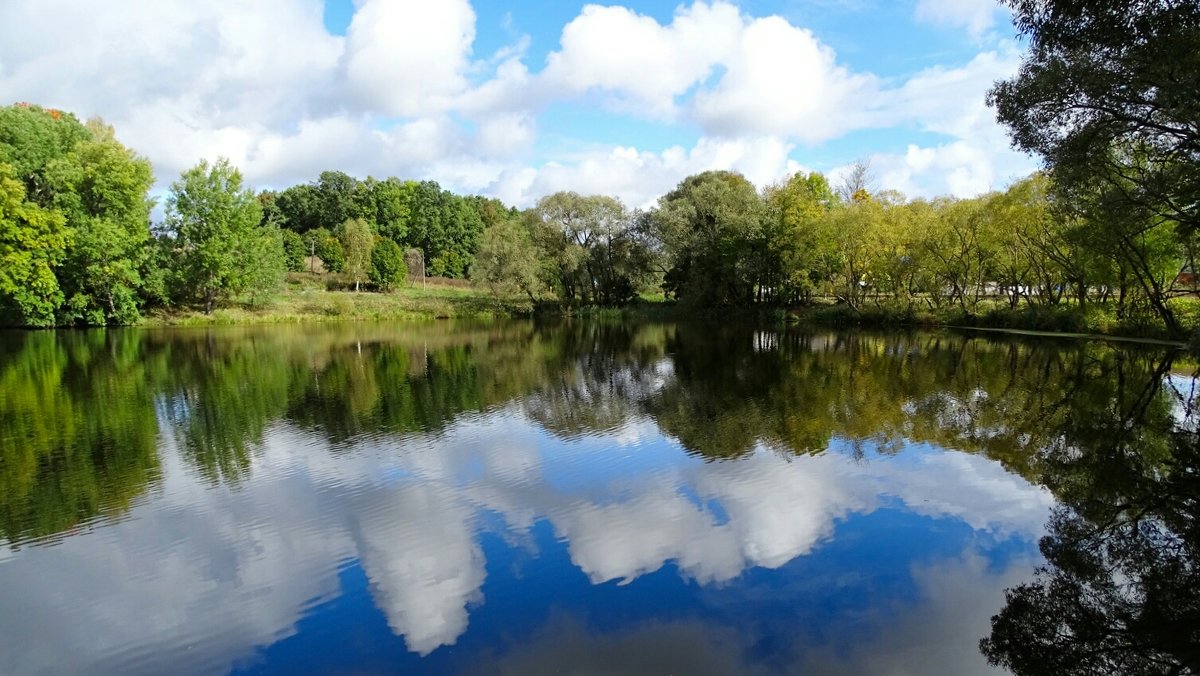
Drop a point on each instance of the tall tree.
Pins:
(1107, 96)
(508, 260)
(389, 207)
(213, 221)
(1108, 90)
(709, 225)
(388, 268)
(300, 206)
(337, 198)
(31, 137)
(295, 250)
(101, 188)
(798, 251)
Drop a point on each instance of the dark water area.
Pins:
(518, 498)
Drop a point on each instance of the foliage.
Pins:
(593, 246)
(507, 260)
(445, 226)
(328, 248)
(295, 251)
(357, 242)
(266, 250)
(32, 241)
(1106, 95)
(31, 137)
(1094, 237)
(710, 227)
(219, 248)
(799, 250)
(388, 268)
(100, 186)
(97, 188)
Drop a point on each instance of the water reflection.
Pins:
(1120, 589)
(518, 498)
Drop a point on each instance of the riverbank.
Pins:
(306, 300)
(1066, 320)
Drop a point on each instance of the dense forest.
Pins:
(1104, 96)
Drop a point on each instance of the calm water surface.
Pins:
(519, 498)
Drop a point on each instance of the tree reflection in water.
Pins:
(86, 418)
(1120, 591)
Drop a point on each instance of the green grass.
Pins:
(305, 299)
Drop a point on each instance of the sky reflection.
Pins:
(519, 498)
(201, 578)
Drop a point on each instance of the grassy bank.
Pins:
(1065, 318)
(306, 299)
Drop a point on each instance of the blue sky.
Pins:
(518, 100)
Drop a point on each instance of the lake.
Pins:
(577, 497)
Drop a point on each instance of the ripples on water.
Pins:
(514, 498)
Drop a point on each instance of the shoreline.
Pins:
(301, 305)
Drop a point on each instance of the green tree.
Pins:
(711, 229)
(388, 205)
(300, 206)
(266, 249)
(388, 267)
(329, 250)
(1106, 95)
(799, 255)
(357, 242)
(101, 188)
(957, 250)
(294, 250)
(337, 198)
(31, 137)
(508, 260)
(214, 223)
(32, 241)
(594, 245)
(1108, 91)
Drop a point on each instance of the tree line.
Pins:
(78, 246)
(1109, 225)
(715, 240)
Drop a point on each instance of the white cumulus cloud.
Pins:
(407, 93)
